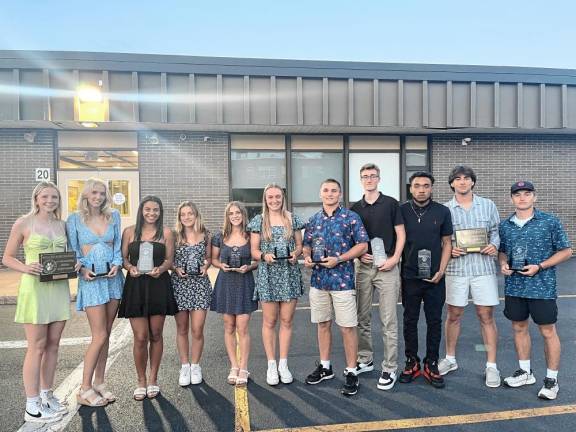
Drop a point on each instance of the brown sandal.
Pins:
(83, 398)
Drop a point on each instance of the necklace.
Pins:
(418, 215)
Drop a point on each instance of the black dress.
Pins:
(144, 295)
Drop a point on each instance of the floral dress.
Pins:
(193, 292)
(280, 281)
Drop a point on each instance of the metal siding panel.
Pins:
(461, 103)
(273, 100)
(312, 101)
(437, 111)
(337, 102)
(376, 98)
(542, 105)
(287, 109)
(246, 91)
(62, 104)
(149, 89)
(7, 99)
(325, 101)
(571, 111)
(564, 105)
(425, 104)
(206, 109)
(388, 103)
(192, 96)
(299, 102)
(164, 102)
(520, 104)
(260, 100)
(413, 104)
(350, 102)
(136, 94)
(233, 100)
(449, 105)
(553, 106)
(508, 105)
(219, 113)
(485, 105)
(31, 107)
(531, 106)
(473, 104)
(401, 103)
(496, 104)
(179, 99)
(363, 103)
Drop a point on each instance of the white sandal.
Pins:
(152, 391)
(105, 393)
(232, 376)
(83, 398)
(140, 394)
(241, 381)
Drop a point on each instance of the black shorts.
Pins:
(542, 311)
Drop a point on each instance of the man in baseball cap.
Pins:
(522, 186)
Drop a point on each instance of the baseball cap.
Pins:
(521, 185)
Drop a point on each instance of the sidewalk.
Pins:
(10, 280)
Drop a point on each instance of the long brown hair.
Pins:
(285, 214)
(227, 226)
(198, 223)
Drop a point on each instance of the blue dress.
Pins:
(105, 249)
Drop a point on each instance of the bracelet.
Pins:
(540, 268)
(339, 260)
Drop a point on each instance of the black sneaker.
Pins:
(411, 370)
(320, 374)
(432, 374)
(351, 384)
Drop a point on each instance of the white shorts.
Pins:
(482, 289)
(324, 304)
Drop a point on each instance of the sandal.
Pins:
(232, 376)
(83, 398)
(140, 394)
(105, 393)
(242, 378)
(152, 391)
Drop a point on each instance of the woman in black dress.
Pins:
(147, 296)
(234, 287)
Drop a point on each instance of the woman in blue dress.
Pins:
(94, 234)
(234, 288)
(276, 240)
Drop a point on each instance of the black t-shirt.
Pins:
(379, 219)
(435, 223)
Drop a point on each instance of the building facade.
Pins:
(216, 129)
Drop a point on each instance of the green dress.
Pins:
(280, 281)
(42, 302)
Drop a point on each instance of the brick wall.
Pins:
(19, 159)
(500, 160)
(178, 166)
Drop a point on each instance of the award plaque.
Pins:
(319, 253)
(101, 274)
(282, 253)
(424, 264)
(471, 240)
(378, 251)
(234, 260)
(57, 266)
(146, 258)
(517, 259)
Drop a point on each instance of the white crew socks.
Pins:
(552, 374)
(353, 370)
(33, 404)
(185, 366)
(283, 364)
(524, 365)
(491, 365)
(325, 364)
(271, 364)
(44, 394)
(451, 359)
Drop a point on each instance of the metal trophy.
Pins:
(100, 274)
(234, 260)
(146, 258)
(282, 253)
(424, 264)
(517, 258)
(378, 251)
(319, 253)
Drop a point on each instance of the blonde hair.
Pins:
(105, 207)
(34, 209)
(198, 223)
(227, 226)
(286, 217)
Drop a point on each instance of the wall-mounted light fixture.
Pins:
(466, 141)
(90, 104)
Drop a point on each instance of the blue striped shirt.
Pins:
(482, 214)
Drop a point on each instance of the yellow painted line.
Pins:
(241, 408)
(436, 421)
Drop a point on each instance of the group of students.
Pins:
(341, 288)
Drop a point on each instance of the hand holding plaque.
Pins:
(471, 240)
(319, 253)
(57, 266)
(424, 264)
(378, 252)
(145, 258)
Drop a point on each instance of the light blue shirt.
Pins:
(482, 214)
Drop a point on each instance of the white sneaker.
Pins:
(195, 374)
(44, 415)
(549, 390)
(492, 377)
(184, 379)
(520, 378)
(363, 367)
(285, 375)
(386, 380)
(445, 366)
(54, 404)
(272, 377)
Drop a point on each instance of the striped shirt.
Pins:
(482, 214)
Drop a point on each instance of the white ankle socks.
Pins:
(551, 374)
(491, 365)
(32, 404)
(524, 365)
(325, 364)
(451, 359)
(283, 364)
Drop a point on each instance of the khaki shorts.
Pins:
(482, 289)
(343, 303)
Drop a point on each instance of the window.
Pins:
(95, 159)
